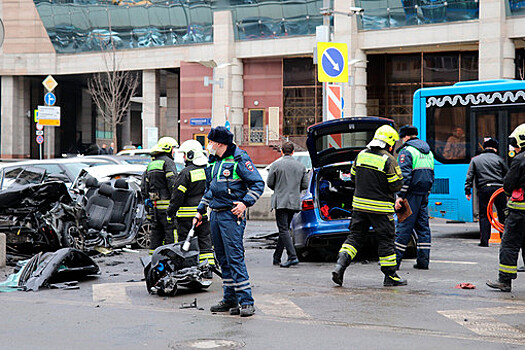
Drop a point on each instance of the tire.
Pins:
(143, 236)
(71, 236)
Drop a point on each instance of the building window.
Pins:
(103, 129)
(302, 96)
(256, 122)
(391, 90)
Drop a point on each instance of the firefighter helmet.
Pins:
(164, 145)
(387, 134)
(517, 138)
(193, 151)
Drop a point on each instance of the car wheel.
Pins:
(143, 236)
(71, 236)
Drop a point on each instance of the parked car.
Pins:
(322, 223)
(146, 155)
(64, 169)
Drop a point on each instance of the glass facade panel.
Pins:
(92, 25)
(381, 14)
(390, 91)
(516, 7)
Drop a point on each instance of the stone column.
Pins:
(125, 131)
(172, 110)
(15, 120)
(150, 106)
(345, 31)
(496, 51)
(229, 69)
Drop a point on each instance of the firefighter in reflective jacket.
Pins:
(157, 186)
(417, 166)
(189, 189)
(232, 184)
(377, 177)
(514, 235)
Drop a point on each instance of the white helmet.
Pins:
(194, 153)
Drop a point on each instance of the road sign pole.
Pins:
(40, 151)
(326, 22)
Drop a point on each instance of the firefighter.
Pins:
(513, 237)
(417, 166)
(232, 184)
(377, 177)
(157, 187)
(188, 191)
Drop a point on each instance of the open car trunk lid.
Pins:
(340, 140)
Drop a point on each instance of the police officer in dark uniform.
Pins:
(157, 187)
(232, 184)
(487, 170)
(189, 189)
(417, 166)
(377, 178)
(514, 235)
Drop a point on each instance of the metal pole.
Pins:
(40, 151)
(212, 95)
(326, 22)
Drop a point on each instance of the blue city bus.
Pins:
(454, 120)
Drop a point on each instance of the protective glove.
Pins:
(149, 203)
(170, 219)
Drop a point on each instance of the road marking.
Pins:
(114, 293)
(482, 321)
(275, 305)
(447, 262)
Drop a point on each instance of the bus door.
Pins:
(497, 122)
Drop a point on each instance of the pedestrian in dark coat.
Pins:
(487, 171)
(287, 178)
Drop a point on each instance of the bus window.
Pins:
(486, 126)
(516, 118)
(447, 134)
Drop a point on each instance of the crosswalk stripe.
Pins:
(113, 292)
(278, 306)
(482, 321)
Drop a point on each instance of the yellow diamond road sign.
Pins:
(332, 62)
(50, 83)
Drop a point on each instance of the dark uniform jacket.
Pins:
(417, 166)
(158, 180)
(485, 169)
(231, 178)
(515, 180)
(377, 178)
(189, 189)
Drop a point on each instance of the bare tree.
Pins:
(112, 89)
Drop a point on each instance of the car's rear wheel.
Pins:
(143, 236)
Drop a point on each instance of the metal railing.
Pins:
(263, 136)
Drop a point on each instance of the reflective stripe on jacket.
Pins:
(232, 178)
(189, 189)
(417, 166)
(515, 179)
(159, 178)
(377, 177)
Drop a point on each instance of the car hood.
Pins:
(340, 140)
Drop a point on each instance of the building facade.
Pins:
(247, 63)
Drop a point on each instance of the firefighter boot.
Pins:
(394, 280)
(504, 286)
(343, 260)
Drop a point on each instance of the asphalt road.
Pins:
(297, 308)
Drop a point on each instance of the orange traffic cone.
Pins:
(494, 236)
